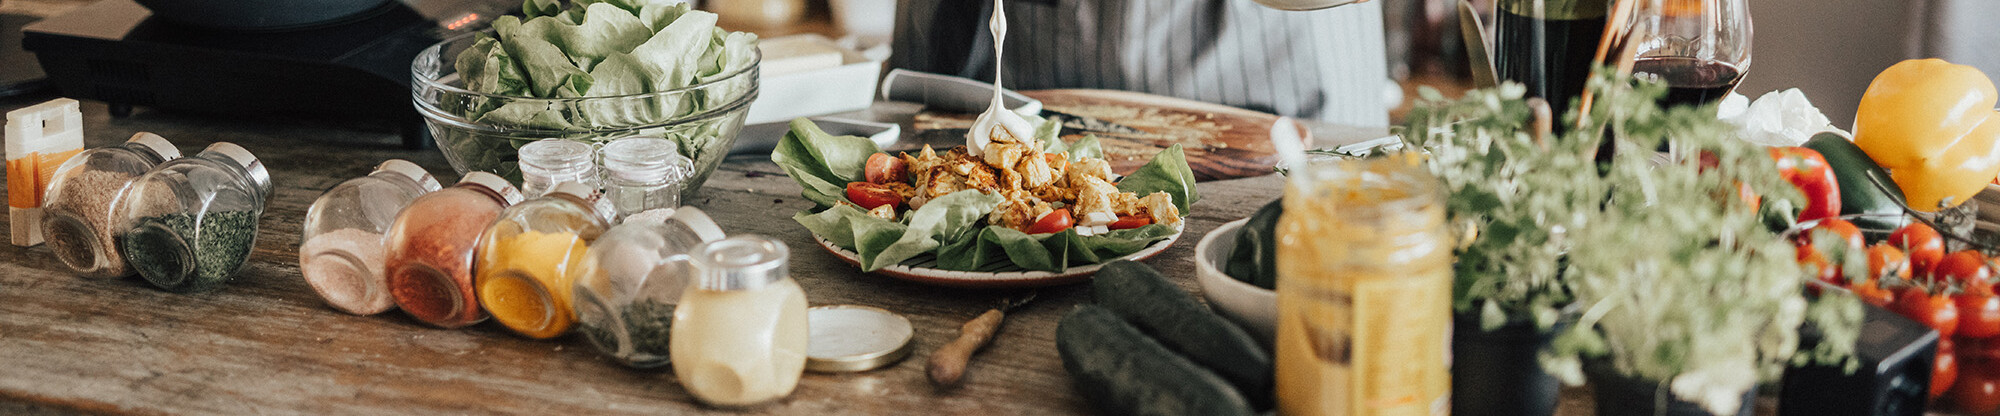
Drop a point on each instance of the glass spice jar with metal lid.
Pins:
(630, 281)
(547, 162)
(528, 258)
(740, 331)
(79, 213)
(341, 245)
(429, 263)
(644, 173)
(189, 224)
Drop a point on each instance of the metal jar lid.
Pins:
(851, 338)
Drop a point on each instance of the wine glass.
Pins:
(1700, 48)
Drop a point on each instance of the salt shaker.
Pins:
(341, 244)
(430, 252)
(630, 281)
(644, 173)
(189, 224)
(740, 331)
(547, 162)
(527, 260)
(78, 212)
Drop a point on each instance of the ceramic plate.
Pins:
(998, 274)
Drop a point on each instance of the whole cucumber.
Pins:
(1171, 316)
(1857, 174)
(1124, 372)
(1254, 259)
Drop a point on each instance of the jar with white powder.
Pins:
(341, 244)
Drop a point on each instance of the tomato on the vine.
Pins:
(1815, 264)
(1873, 294)
(1967, 268)
(1977, 390)
(1886, 261)
(1923, 244)
(1944, 370)
(1978, 314)
(1935, 311)
(870, 195)
(1839, 227)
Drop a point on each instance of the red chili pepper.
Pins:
(1809, 172)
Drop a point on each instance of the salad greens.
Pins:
(950, 226)
(538, 68)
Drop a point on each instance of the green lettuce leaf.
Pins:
(547, 68)
(1086, 147)
(822, 163)
(1167, 172)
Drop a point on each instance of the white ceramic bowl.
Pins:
(1254, 308)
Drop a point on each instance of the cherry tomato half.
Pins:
(1966, 268)
(1130, 221)
(1053, 222)
(883, 168)
(1937, 312)
(871, 195)
(1978, 314)
(1923, 244)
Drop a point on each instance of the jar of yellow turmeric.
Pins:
(527, 261)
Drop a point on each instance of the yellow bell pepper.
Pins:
(1933, 125)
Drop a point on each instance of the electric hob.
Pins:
(117, 52)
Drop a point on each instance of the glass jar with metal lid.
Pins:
(631, 280)
(79, 214)
(527, 260)
(189, 224)
(431, 244)
(341, 245)
(740, 331)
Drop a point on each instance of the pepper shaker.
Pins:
(527, 260)
(431, 244)
(632, 278)
(341, 244)
(644, 173)
(189, 224)
(78, 214)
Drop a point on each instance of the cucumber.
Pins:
(1254, 259)
(1171, 316)
(1856, 174)
(1124, 372)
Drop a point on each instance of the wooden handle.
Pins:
(947, 366)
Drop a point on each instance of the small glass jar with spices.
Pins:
(431, 244)
(341, 245)
(630, 281)
(740, 331)
(528, 259)
(79, 219)
(644, 173)
(189, 224)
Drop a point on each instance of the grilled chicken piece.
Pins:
(1019, 211)
(1096, 199)
(885, 211)
(1160, 207)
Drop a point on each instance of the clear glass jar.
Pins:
(431, 244)
(189, 224)
(547, 162)
(1364, 291)
(644, 173)
(79, 213)
(739, 333)
(341, 245)
(632, 278)
(527, 260)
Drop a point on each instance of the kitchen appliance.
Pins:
(322, 63)
(1895, 356)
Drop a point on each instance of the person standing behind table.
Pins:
(1327, 65)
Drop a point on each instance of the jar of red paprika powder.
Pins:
(431, 244)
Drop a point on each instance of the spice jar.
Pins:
(739, 333)
(431, 245)
(644, 173)
(547, 162)
(526, 261)
(341, 244)
(78, 212)
(630, 281)
(189, 224)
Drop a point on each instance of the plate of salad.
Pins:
(1018, 212)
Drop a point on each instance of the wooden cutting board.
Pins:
(1221, 142)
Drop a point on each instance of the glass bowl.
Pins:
(704, 118)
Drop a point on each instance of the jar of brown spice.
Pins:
(431, 245)
(77, 215)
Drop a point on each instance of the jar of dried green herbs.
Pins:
(631, 279)
(79, 214)
(190, 223)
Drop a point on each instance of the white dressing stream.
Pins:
(997, 120)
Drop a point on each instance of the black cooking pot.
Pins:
(260, 15)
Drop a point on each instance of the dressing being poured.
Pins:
(998, 122)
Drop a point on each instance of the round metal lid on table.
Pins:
(850, 338)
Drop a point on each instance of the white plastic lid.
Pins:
(56, 124)
(412, 171)
(495, 183)
(249, 162)
(578, 190)
(159, 145)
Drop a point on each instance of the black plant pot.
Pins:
(1622, 395)
(1497, 372)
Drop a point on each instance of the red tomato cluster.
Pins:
(1911, 274)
